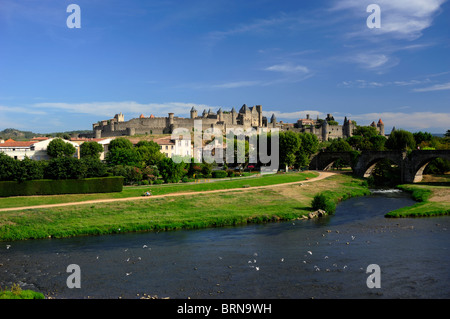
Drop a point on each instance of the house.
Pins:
(175, 147)
(34, 149)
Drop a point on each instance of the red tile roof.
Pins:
(8, 144)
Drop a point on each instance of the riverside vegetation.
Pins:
(431, 201)
(186, 211)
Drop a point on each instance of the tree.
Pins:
(170, 171)
(93, 167)
(8, 166)
(400, 140)
(447, 134)
(289, 145)
(64, 168)
(339, 145)
(28, 169)
(149, 152)
(377, 142)
(90, 149)
(420, 137)
(366, 131)
(59, 148)
(309, 144)
(120, 142)
(124, 156)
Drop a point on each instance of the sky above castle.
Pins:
(292, 57)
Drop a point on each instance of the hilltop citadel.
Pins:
(247, 117)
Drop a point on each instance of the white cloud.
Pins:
(288, 68)
(109, 109)
(293, 116)
(20, 109)
(405, 19)
(436, 87)
(373, 61)
(364, 84)
(238, 84)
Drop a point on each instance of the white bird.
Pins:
(257, 268)
(8, 246)
(128, 273)
(326, 257)
(282, 259)
(353, 237)
(145, 246)
(309, 252)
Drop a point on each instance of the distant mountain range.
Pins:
(26, 135)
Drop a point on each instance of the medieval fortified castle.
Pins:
(247, 117)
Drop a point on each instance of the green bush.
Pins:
(219, 174)
(321, 201)
(63, 186)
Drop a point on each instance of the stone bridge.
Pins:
(411, 166)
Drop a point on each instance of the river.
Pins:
(321, 258)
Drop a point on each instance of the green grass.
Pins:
(424, 207)
(15, 292)
(135, 191)
(181, 212)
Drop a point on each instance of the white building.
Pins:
(175, 147)
(35, 149)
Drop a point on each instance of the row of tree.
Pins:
(144, 162)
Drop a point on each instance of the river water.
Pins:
(322, 258)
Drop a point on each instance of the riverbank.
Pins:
(432, 200)
(136, 192)
(181, 210)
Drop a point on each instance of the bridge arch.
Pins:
(324, 160)
(370, 166)
(369, 159)
(419, 160)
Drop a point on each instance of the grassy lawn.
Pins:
(432, 201)
(136, 191)
(183, 212)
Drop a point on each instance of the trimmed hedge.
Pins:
(63, 186)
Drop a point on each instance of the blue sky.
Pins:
(291, 57)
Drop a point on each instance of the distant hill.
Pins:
(19, 135)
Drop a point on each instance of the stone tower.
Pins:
(380, 127)
(233, 116)
(325, 130)
(193, 113)
(220, 115)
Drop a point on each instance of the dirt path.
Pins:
(322, 175)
